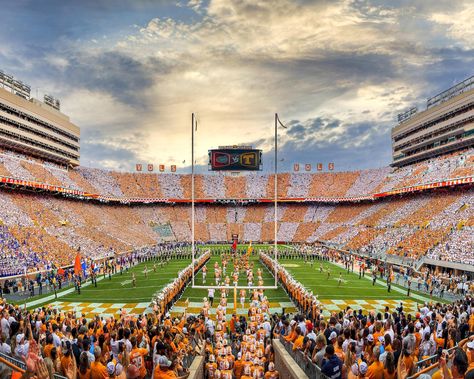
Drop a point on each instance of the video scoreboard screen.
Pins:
(235, 159)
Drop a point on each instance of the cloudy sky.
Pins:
(130, 72)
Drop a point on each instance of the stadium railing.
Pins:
(428, 365)
(188, 359)
(20, 366)
(309, 367)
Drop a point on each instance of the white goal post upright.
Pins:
(275, 177)
(192, 194)
(275, 245)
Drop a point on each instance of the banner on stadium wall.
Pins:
(162, 167)
(138, 167)
(307, 166)
(173, 168)
(320, 167)
(331, 166)
(446, 183)
(296, 167)
(150, 167)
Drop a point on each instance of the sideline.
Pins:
(51, 297)
(383, 284)
(48, 298)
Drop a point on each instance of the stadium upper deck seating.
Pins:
(252, 186)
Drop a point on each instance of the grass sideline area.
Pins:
(351, 287)
(119, 290)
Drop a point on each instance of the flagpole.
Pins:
(192, 192)
(275, 257)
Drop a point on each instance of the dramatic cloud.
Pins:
(459, 24)
(337, 71)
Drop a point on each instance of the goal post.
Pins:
(257, 160)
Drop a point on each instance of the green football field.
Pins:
(351, 286)
(197, 294)
(119, 289)
(119, 292)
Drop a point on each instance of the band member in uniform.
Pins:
(204, 274)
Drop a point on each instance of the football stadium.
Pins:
(240, 269)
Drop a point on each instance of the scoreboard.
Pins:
(237, 158)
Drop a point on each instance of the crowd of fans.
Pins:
(347, 344)
(131, 346)
(252, 186)
(458, 248)
(36, 227)
(369, 344)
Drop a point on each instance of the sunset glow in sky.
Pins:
(130, 73)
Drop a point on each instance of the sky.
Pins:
(129, 73)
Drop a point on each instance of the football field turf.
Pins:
(354, 292)
(192, 299)
(111, 295)
(326, 287)
(118, 293)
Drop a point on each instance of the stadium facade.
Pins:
(445, 126)
(36, 128)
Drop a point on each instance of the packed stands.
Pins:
(256, 185)
(332, 184)
(102, 180)
(234, 187)
(283, 182)
(252, 231)
(214, 186)
(305, 230)
(409, 225)
(299, 185)
(367, 181)
(251, 186)
(171, 186)
(419, 242)
(218, 232)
